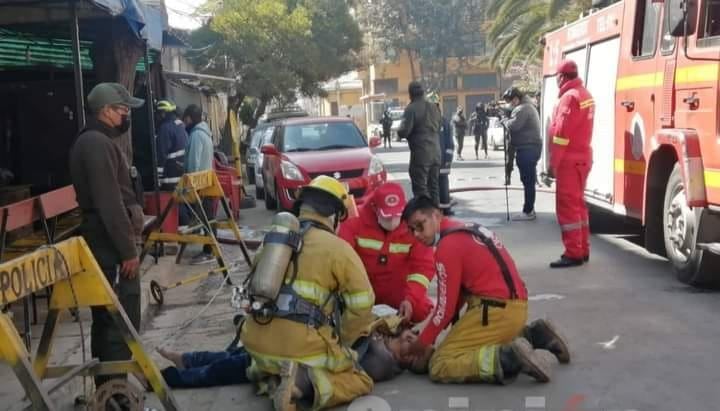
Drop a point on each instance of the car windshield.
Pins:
(261, 137)
(322, 136)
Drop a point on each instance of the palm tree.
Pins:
(515, 27)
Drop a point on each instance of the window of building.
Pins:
(387, 86)
(479, 81)
(647, 19)
(334, 108)
(450, 83)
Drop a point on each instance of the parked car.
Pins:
(256, 141)
(396, 114)
(261, 135)
(496, 134)
(304, 148)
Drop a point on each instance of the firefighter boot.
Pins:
(543, 334)
(520, 357)
(295, 390)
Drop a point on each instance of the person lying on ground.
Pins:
(383, 354)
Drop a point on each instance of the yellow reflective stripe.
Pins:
(323, 388)
(571, 226)
(633, 167)
(640, 81)
(697, 74)
(420, 279)
(370, 243)
(587, 103)
(359, 300)
(398, 248)
(712, 178)
(561, 141)
(311, 291)
(487, 362)
(271, 364)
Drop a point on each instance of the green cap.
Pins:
(105, 94)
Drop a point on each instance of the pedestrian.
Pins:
(459, 127)
(420, 125)
(479, 124)
(200, 154)
(490, 342)
(383, 354)
(570, 161)
(386, 123)
(172, 140)
(400, 268)
(316, 366)
(446, 155)
(112, 217)
(524, 128)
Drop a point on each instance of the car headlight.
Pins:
(290, 171)
(376, 166)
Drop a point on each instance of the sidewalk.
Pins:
(67, 344)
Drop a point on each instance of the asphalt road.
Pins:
(640, 340)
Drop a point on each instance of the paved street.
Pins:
(640, 340)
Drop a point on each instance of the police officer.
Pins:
(171, 142)
(420, 125)
(112, 218)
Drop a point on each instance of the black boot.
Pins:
(520, 357)
(543, 334)
(565, 262)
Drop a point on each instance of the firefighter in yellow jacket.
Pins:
(310, 350)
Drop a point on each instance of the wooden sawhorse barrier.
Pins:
(77, 281)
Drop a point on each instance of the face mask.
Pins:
(389, 224)
(124, 124)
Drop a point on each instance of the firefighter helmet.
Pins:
(166, 106)
(333, 187)
(567, 67)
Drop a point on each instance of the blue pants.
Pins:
(208, 369)
(527, 159)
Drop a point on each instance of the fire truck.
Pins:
(653, 69)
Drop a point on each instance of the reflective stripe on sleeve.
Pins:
(420, 279)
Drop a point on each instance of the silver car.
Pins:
(260, 137)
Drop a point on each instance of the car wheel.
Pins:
(270, 202)
(259, 192)
(680, 228)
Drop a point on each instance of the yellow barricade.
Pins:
(77, 281)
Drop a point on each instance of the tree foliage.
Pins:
(277, 47)
(517, 26)
(428, 32)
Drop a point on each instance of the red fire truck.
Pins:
(653, 69)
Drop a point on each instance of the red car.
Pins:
(304, 148)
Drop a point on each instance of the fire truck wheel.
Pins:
(680, 225)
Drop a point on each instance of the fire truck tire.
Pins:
(680, 227)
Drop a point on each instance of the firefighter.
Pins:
(171, 142)
(490, 342)
(400, 267)
(570, 162)
(312, 358)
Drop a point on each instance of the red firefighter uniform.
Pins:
(571, 160)
(399, 267)
(497, 307)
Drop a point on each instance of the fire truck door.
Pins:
(637, 84)
(601, 80)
